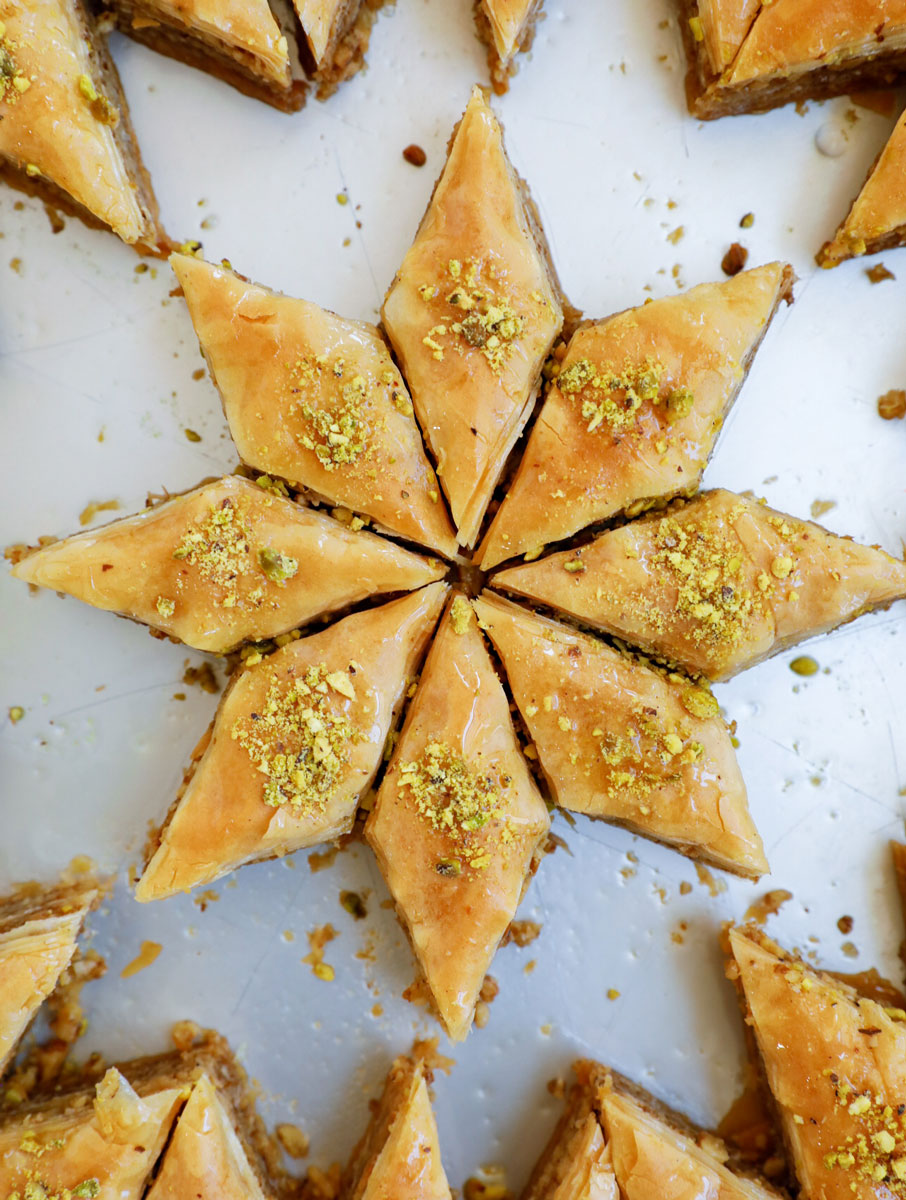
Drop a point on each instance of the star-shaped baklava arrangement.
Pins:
(507, 710)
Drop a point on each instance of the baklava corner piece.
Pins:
(472, 313)
(293, 779)
(507, 27)
(458, 821)
(336, 36)
(237, 41)
(834, 1061)
(226, 563)
(399, 1154)
(65, 133)
(39, 931)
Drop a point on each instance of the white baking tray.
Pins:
(596, 122)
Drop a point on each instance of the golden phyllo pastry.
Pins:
(336, 35)
(714, 585)
(458, 821)
(65, 133)
(747, 56)
(237, 40)
(399, 1156)
(94, 1143)
(575, 1164)
(227, 563)
(618, 739)
(835, 1062)
(316, 400)
(472, 315)
(635, 410)
(39, 929)
(877, 219)
(296, 741)
(507, 27)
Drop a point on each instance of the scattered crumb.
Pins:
(317, 939)
(377, 1010)
(191, 435)
(735, 259)
(850, 950)
(676, 235)
(557, 1087)
(685, 887)
(320, 860)
(523, 933)
(768, 906)
(16, 265)
(820, 507)
(415, 155)
(354, 904)
(530, 966)
(678, 936)
(342, 198)
(892, 405)
(489, 1185)
(185, 1034)
(878, 273)
(201, 676)
(205, 898)
(293, 1140)
(418, 993)
(714, 886)
(613, 994)
(804, 665)
(747, 221)
(146, 956)
(198, 373)
(90, 511)
(16, 713)
(845, 925)
(57, 224)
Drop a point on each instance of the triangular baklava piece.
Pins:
(877, 219)
(39, 929)
(714, 585)
(835, 1062)
(296, 741)
(507, 27)
(575, 1164)
(458, 820)
(65, 133)
(399, 1156)
(635, 409)
(747, 56)
(337, 33)
(206, 1158)
(226, 563)
(94, 1141)
(472, 315)
(239, 41)
(620, 740)
(316, 400)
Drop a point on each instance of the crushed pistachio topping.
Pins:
(276, 566)
(101, 108)
(460, 615)
(165, 606)
(301, 738)
(479, 315)
(458, 801)
(876, 1150)
(614, 398)
(699, 701)
(219, 547)
(13, 81)
(33, 1187)
(647, 754)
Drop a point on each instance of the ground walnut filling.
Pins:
(32, 1187)
(877, 1152)
(458, 801)
(299, 740)
(614, 398)
(480, 317)
(219, 547)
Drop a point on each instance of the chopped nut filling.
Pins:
(479, 316)
(301, 738)
(614, 398)
(457, 801)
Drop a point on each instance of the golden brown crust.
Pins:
(512, 32)
(336, 34)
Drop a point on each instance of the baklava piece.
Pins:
(39, 930)
(227, 563)
(620, 740)
(472, 315)
(295, 743)
(337, 33)
(239, 41)
(635, 409)
(507, 27)
(835, 1062)
(877, 219)
(65, 133)
(458, 821)
(316, 400)
(399, 1156)
(640, 1151)
(749, 56)
(715, 584)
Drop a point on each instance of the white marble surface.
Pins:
(596, 122)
